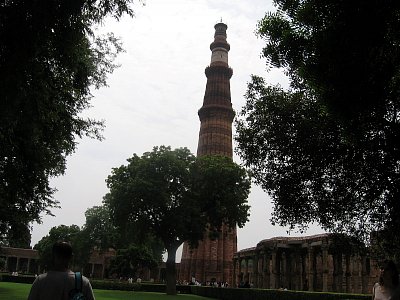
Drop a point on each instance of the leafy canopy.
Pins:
(177, 197)
(50, 58)
(99, 231)
(327, 149)
(99, 228)
(71, 234)
(132, 261)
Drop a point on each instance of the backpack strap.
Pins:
(78, 281)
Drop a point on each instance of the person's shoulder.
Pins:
(41, 276)
(375, 287)
(85, 280)
(39, 280)
(87, 288)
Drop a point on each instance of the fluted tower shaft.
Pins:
(212, 259)
(216, 114)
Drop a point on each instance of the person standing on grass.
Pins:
(388, 287)
(60, 283)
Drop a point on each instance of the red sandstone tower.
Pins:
(212, 259)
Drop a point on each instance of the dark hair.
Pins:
(62, 249)
(390, 265)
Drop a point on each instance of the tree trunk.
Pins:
(171, 270)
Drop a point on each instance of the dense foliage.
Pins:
(73, 235)
(328, 148)
(100, 233)
(18, 236)
(99, 228)
(175, 197)
(132, 261)
(49, 59)
(135, 250)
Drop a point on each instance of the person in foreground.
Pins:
(60, 282)
(388, 287)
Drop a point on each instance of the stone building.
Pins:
(212, 259)
(27, 261)
(20, 260)
(99, 262)
(313, 263)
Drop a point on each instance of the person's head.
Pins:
(62, 254)
(389, 273)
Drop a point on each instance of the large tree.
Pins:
(176, 197)
(50, 58)
(328, 148)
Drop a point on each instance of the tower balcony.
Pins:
(219, 68)
(220, 44)
(221, 111)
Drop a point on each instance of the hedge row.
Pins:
(143, 287)
(17, 279)
(262, 294)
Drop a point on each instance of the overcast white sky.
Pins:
(153, 99)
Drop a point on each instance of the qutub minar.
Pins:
(212, 259)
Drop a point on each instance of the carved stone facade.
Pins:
(212, 259)
(313, 263)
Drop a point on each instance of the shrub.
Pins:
(112, 285)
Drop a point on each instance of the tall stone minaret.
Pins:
(212, 259)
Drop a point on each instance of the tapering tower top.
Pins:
(219, 46)
(216, 114)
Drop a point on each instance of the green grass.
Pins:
(20, 291)
(17, 291)
(123, 295)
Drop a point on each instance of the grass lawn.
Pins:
(19, 291)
